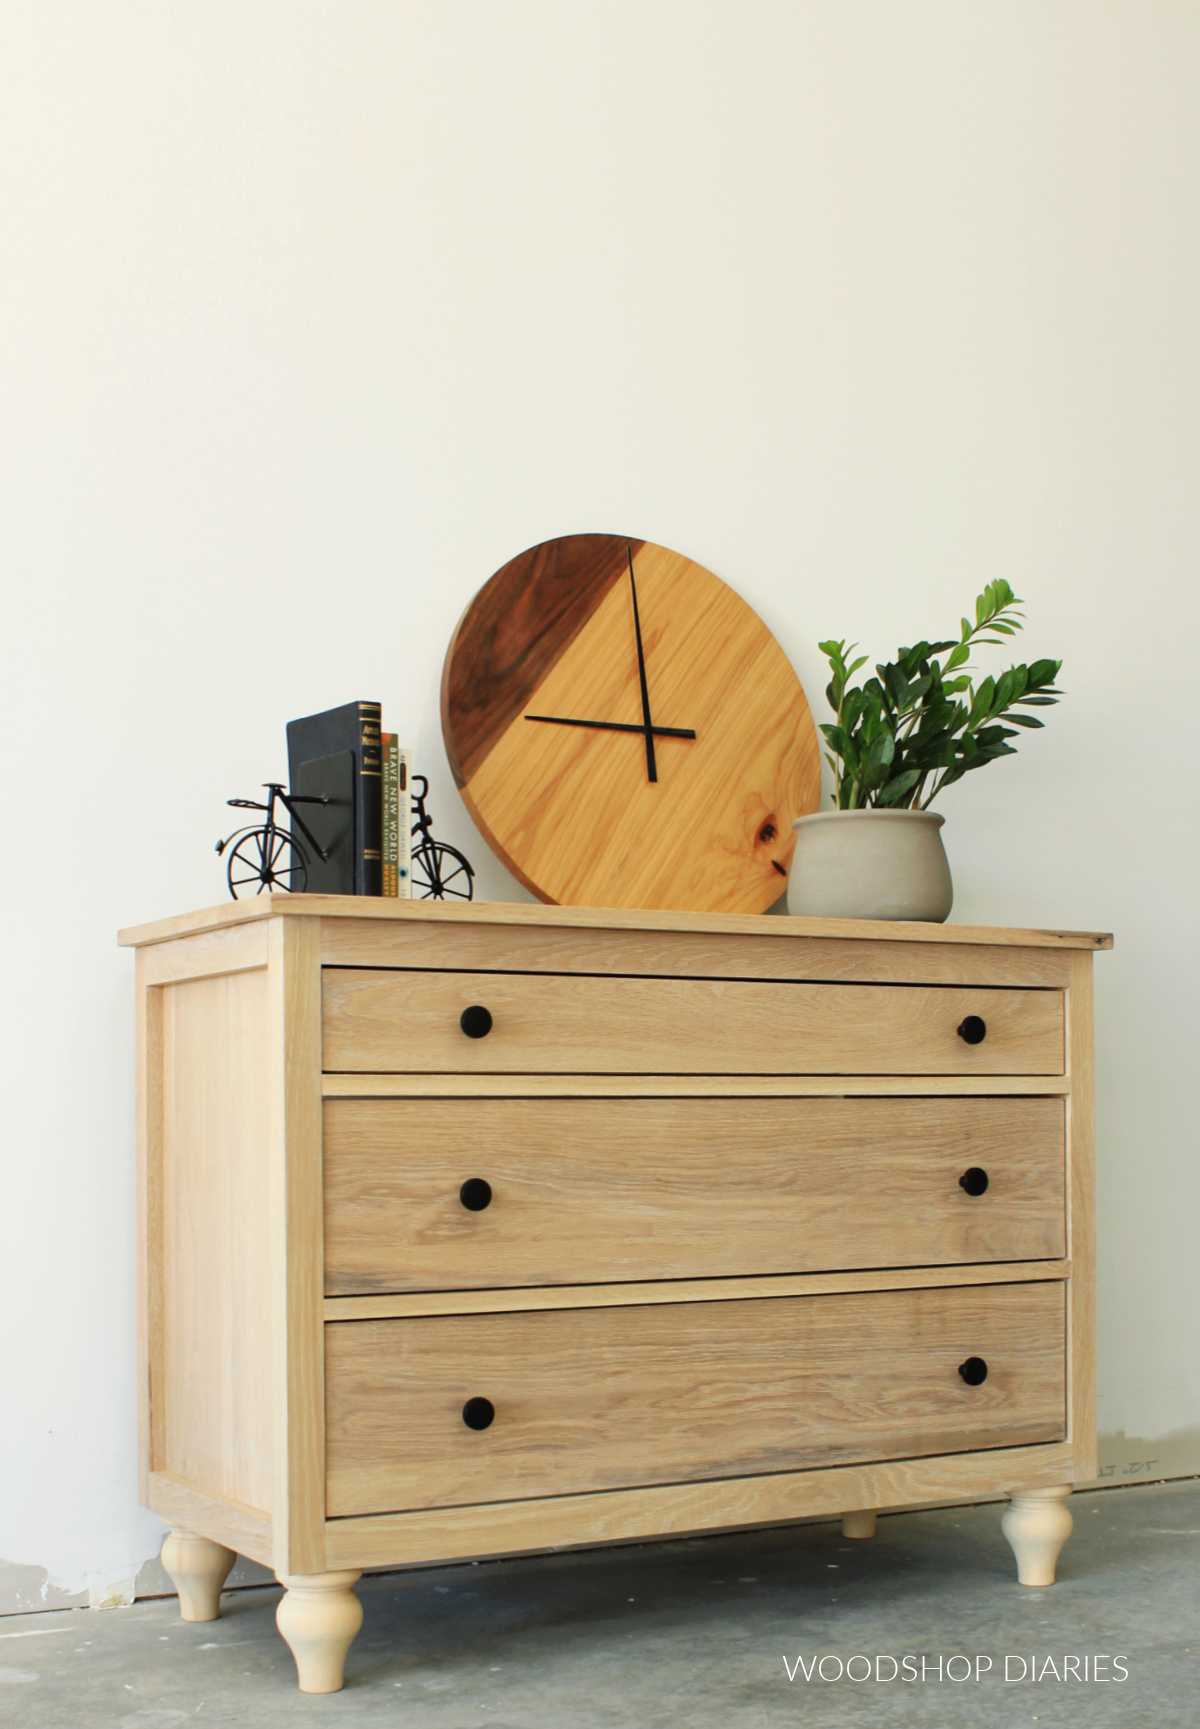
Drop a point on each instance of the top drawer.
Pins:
(381, 1021)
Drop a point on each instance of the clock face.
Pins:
(627, 732)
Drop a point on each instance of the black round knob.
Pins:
(479, 1413)
(974, 1181)
(973, 1372)
(476, 1021)
(973, 1030)
(476, 1194)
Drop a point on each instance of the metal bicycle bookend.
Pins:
(270, 857)
(439, 872)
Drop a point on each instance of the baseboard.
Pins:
(1133, 1459)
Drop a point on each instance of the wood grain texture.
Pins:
(296, 1246)
(523, 1298)
(605, 1398)
(1081, 1205)
(686, 1509)
(244, 1529)
(379, 1020)
(677, 954)
(517, 913)
(574, 812)
(615, 949)
(642, 1189)
(234, 949)
(213, 1403)
(370, 1086)
(514, 632)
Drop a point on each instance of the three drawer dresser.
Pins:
(478, 1229)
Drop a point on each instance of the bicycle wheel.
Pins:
(441, 873)
(268, 859)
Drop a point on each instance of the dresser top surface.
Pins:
(593, 918)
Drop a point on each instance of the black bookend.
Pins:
(331, 825)
(315, 745)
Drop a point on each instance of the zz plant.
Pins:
(923, 723)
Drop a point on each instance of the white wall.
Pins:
(313, 314)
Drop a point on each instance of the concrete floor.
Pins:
(678, 1634)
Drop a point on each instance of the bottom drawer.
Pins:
(606, 1398)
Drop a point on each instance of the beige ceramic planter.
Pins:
(870, 864)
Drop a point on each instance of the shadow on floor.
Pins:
(684, 1635)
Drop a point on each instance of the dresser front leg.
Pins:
(197, 1568)
(1037, 1524)
(318, 1616)
(860, 1524)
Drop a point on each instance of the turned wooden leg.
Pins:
(1037, 1524)
(319, 1616)
(860, 1524)
(197, 1568)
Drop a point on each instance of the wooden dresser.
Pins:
(469, 1230)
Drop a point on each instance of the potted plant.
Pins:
(896, 742)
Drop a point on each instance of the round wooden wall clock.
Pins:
(626, 731)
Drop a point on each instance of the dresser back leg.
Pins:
(1037, 1524)
(860, 1524)
(198, 1568)
(319, 1616)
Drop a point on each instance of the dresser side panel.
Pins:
(231, 949)
(214, 1405)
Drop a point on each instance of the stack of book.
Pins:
(365, 774)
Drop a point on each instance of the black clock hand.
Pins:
(648, 729)
(616, 726)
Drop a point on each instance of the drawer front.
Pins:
(411, 1022)
(588, 1190)
(590, 1399)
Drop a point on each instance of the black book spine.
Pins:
(370, 800)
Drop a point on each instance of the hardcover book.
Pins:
(397, 819)
(338, 755)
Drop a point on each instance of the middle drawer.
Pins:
(584, 1191)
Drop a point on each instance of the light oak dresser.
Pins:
(475, 1229)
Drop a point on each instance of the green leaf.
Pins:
(981, 705)
(852, 706)
(843, 744)
(897, 685)
(895, 789)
